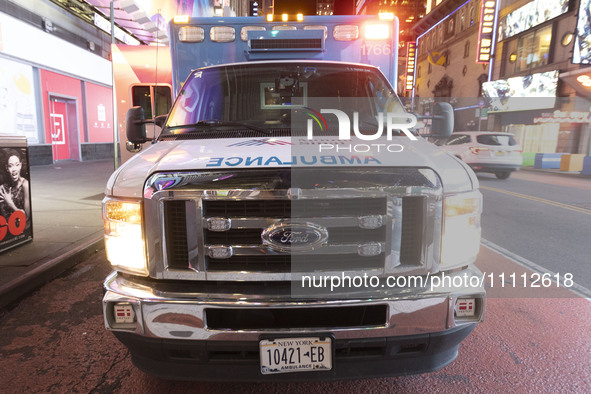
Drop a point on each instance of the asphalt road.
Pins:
(542, 218)
(54, 341)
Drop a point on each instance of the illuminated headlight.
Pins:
(124, 243)
(377, 32)
(461, 232)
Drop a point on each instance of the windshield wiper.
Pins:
(223, 123)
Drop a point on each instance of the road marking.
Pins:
(579, 290)
(538, 199)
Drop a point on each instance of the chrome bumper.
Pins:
(169, 315)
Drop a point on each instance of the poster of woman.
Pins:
(15, 198)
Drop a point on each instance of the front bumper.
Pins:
(171, 336)
(239, 360)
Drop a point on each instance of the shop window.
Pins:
(153, 99)
(533, 49)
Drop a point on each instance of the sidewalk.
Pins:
(67, 225)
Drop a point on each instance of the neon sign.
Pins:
(411, 50)
(486, 31)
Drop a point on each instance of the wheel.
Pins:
(503, 174)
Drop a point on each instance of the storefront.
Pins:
(55, 94)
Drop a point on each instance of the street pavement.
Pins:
(67, 225)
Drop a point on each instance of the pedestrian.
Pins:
(14, 191)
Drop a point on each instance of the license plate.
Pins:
(500, 153)
(295, 354)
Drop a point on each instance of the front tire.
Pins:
(503, 174)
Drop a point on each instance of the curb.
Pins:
(48, 270)
(576, 174)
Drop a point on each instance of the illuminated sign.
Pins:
(535, 91)
(563, 117)
(582, 47)
(531, 15)
(411, 50)
(486, 31)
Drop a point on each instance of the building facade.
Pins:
(532, 78)
(537, 90)
(447, 65)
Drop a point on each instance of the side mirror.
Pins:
(160, 120)
(135, 128)
(443, 120)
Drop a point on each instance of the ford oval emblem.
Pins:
(287, 236)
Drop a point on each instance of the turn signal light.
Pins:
(123, 313)
(465, 307)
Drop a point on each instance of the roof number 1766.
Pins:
(376, 49)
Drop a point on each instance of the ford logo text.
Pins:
(288, 237)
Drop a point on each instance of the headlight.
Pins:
(461, 229)
(123, 235)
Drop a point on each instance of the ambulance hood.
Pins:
(256, 153)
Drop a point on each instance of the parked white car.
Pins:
(486, 151)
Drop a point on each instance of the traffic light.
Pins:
(253, 8)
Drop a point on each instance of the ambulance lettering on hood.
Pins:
(295, 160)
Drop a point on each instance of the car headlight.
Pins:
(124, 242)
(461, 229)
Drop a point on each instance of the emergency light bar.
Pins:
(365, 39)
(344, 32)
(286, 17)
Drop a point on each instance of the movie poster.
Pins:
(16, 224)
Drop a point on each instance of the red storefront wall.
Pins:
(99, 112)
(62, 108)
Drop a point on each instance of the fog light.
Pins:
(370, 222)
(123, 313)
(465, 307)
(220, 252)
(369, 249)
(219, 224)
